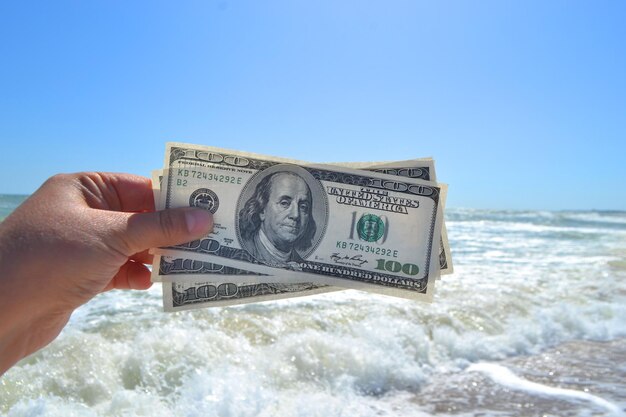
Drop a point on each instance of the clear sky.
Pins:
(521, 103)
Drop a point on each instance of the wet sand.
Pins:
(591, 377)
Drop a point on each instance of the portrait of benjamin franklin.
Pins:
(276, 223)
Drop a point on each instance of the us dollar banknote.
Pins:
(191, 291)
(369, 253)
(170, 269)
(179, 296)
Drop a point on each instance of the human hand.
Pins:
(75, 237)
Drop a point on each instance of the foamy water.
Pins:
(532, 322)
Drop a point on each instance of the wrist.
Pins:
(23, 329)
(14, 322)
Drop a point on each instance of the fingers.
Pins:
(134, 192)
(165, 228)
(131, 276)
(118, 192)
(101, 190)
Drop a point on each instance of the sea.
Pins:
(531, 323)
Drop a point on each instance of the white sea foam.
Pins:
(506, 377)
(521, 285)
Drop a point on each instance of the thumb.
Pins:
(166, 228)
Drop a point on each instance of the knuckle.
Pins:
(75, 180)
(59, 179)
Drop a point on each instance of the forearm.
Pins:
(25, 320)
(14, 338)
(14, 323)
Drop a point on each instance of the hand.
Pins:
(77, 236)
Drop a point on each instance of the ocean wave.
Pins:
(524, 283)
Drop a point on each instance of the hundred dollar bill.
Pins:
(184, 270)
(186, 296)
(199, 287)
(302, 222)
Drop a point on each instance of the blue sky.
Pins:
(521, 103)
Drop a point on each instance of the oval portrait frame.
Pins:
(319, 202)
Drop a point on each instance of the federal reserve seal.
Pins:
(370, 227)
(204, 198)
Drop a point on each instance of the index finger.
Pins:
(116, 191)
(134, 192)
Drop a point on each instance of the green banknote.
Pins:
(180, 270)
(192, 284)
(389, 224)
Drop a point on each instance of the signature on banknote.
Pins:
(356, 260)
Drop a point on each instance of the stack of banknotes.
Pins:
(285, 228)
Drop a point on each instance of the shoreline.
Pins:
(563, 380)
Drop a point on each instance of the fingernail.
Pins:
(198, 221)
